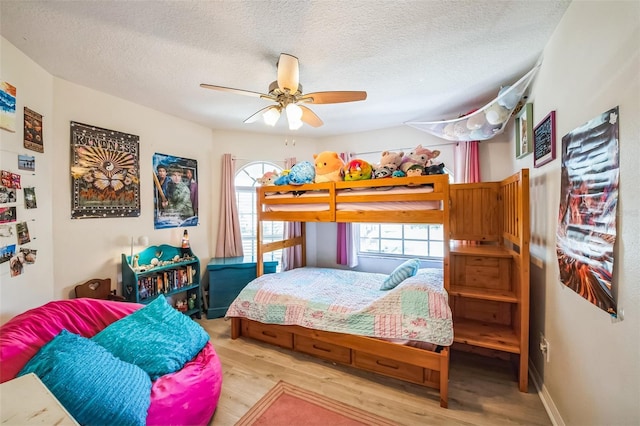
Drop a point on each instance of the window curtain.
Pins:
(346, 253)
(466, 159)
(291, 256)
(229, 242)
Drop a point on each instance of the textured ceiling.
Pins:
(417, 60)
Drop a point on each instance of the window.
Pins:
(245, 182)
(400, 240)
(397, 240)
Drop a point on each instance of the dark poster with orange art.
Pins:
(588, 202)
(104, 173)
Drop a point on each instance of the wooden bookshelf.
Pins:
(162, 271)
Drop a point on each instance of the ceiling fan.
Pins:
(286, 92)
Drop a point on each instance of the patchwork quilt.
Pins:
(351, 302)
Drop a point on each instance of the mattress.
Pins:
(309, 205)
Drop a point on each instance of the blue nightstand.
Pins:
(227, 276)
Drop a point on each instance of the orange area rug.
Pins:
(286, 404)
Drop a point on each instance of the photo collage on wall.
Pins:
(17, 193)
(15, 233)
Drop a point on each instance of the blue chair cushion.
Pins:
(95, 387)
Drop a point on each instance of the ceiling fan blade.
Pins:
(288, 73)
(333, 97)
(310, 117)
(236, 91)
(259, 114)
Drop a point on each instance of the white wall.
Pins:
(34, 90)
(591, 64)
(90, 248)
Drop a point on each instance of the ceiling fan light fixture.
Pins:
(287, 94)
(294, 116)
(288, 73)
(271, 116)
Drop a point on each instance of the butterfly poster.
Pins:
(105, 173)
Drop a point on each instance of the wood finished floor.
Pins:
(482, 391)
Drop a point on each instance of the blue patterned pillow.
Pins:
(95, 387)
(156, 338)
(401, 273)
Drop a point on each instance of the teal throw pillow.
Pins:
(95, 387)
(401, 273)
(156, 338)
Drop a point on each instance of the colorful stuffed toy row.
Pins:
(329, 167)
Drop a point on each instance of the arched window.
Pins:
(245, 183)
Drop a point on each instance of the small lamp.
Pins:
(143, 240)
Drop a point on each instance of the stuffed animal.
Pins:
(382, 172)
(301, 173)
(434, 169)
(268, 178)
(398, 173)
(328, 166)
(357, 170)
(420, 156)
(283, 179)
(415, 170)
(391, 160)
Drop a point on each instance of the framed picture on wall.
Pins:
(524, 131)
(544, 140)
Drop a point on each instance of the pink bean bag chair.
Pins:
(186, 397)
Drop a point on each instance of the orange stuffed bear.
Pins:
(328, 167)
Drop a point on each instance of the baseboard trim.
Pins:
(545, 397)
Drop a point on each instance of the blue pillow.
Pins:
(95, 387)
(401, 273)
(156, 338)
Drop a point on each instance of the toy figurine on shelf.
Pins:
(185, 244)
(181, 305)
(192, 301)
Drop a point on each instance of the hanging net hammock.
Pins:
(484, 123)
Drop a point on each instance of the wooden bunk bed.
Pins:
(348, 202)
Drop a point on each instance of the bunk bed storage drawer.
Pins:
(483, 272)
(268, 333)
(323, 350)
(389, 367)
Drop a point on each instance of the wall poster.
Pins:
(7, 106)
(588, 201)
(175, 189)
(105, 169)
(33, 130)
